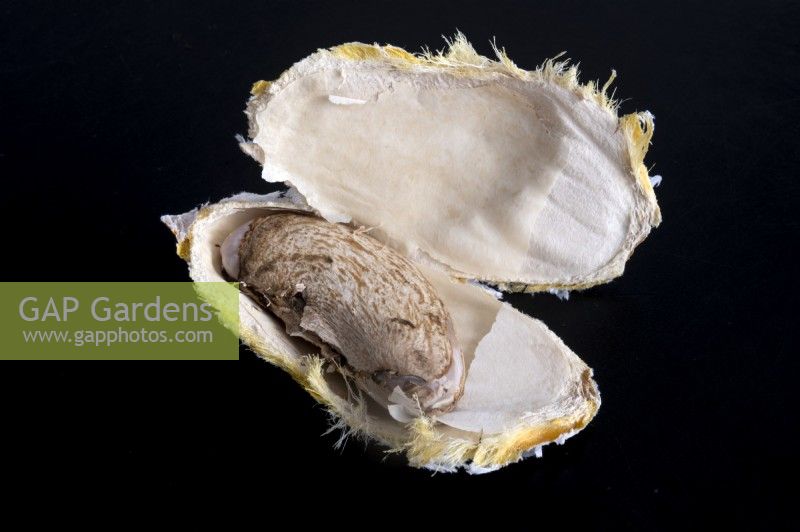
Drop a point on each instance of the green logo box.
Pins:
(119, 321)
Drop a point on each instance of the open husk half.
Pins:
(474, 170)
(524, 387)
(524, 179)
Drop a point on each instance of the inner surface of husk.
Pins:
(518, 371)
(475, 166)
(429, 157)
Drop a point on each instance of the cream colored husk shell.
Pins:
(544, 392)
(524, 179)
(474, 169)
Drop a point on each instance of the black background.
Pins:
(113, 113)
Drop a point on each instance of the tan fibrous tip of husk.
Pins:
(260, 87)
(638, 130)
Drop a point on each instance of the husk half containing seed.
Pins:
(524, 387)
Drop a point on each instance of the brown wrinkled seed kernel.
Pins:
(351, 295)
